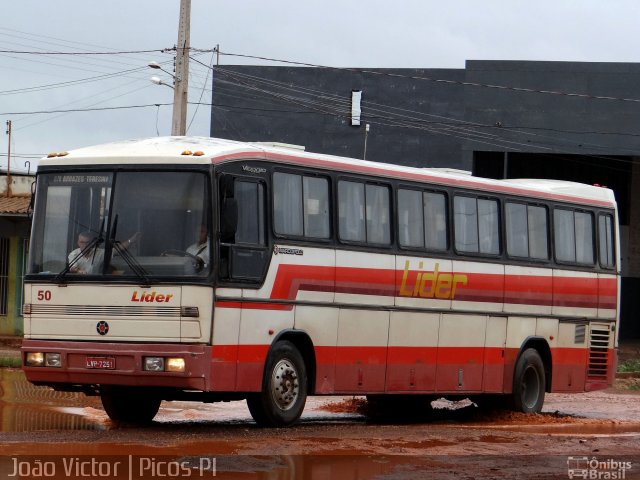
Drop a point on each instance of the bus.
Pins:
(185, 268)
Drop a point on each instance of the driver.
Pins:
(88, 262)
(201, 247)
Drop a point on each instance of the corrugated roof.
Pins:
(15, 205)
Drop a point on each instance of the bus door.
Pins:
(243, 318)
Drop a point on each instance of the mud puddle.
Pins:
(25, 407)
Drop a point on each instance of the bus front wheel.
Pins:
(284, 388)
(528, 382)
(129, 405)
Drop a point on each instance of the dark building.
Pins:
(499, 119)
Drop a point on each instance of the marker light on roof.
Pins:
(186, 152)
(60, 154)
(199, 153)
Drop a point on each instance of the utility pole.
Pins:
(9, 192)
(179, 121)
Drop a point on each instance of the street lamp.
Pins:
(158, 81)
(178, 123)
(157, 66)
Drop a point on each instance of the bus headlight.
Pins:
(53, 360)
(175, 365)
(154, 364)
(162, 364)
(34, 359)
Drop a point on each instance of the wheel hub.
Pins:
(285, 385)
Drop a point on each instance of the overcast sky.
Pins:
(346, 33)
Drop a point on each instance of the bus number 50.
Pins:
(44, 295)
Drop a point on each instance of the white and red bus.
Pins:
(203, 269)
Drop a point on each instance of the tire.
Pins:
(129, 405)
(528, 382)
(284, 388)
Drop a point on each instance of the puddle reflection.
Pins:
(25, 407)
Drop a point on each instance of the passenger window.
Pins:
(422, 219)
(351, 220)
(476, 225)
(301, 205)
(526, 229)
(605, 237)
(538, 232)
(287, 204)
(573, 233)
(584, 238)
(410, 218)
(364, 213)
(516, 225)
(378, 221)
(435, 220)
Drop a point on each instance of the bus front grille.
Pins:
(106, 310)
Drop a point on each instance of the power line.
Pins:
(438, 80)
(126, 52)
(122, 107)
(466, 129)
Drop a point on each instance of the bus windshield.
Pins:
(145, 224)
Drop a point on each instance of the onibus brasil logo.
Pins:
(585, 467)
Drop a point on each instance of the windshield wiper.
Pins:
(93, 243)
(133, 264)
(130, 260)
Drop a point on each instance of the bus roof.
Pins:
(207, 150)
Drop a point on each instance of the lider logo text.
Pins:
(430, 284)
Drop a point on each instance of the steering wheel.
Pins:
(198, 263)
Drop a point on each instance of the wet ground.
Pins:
(336, 438)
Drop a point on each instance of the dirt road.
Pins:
(598, 431)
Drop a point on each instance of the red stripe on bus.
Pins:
(249, 305)
(480, 287)
(403, 368)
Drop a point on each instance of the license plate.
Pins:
(107, 363)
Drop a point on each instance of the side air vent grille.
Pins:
(599, 351)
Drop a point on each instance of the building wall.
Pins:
(311, 107)
(502, 119)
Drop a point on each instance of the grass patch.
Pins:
(10, 362)
(632, 365)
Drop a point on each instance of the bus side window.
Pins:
(243, 246)
(606, 237)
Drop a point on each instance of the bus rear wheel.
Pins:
(129, 405)
(284, 388)
(528, 382)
